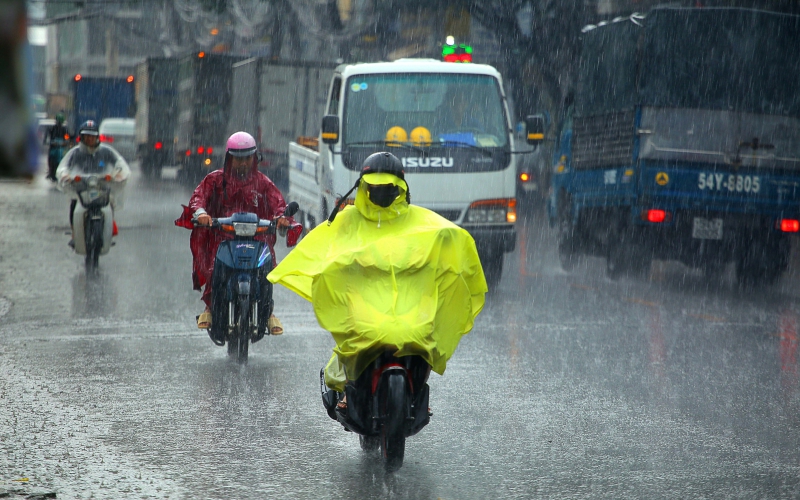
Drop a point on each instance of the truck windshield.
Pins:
(737, 60)
(452, 110)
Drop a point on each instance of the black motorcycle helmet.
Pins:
(383, 162)
(376, 163)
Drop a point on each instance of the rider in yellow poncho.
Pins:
(385, 274)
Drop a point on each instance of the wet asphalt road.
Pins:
(570, 385)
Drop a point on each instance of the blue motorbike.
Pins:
(241, 295)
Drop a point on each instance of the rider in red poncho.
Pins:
(237, 187)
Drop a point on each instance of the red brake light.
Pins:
(790, 225)
(210, 150)
(158, 145)
(108, 177)
(77, 178)
(78, 77)
(106, 138)
(188, 152)
(200, 150)
(129, 79)
(656, 216)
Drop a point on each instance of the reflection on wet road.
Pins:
(570, 385)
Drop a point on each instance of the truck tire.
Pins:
(492, 264)
(567, 248)
(762, 261)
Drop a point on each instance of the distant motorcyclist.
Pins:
(92, 157)
(56, 139)
(383, 274)
(237, 187)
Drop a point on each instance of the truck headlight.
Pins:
(497, 211)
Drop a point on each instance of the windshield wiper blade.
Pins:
(391, 144)
(444, 144)
(483, 149)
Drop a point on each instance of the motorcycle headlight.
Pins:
(244, 228)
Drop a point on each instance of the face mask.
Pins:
(383, 195)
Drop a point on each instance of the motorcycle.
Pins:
(93, 221)
(241, 295)
(55, 153)
(386, 404)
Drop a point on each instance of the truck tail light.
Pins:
(209, 150)
(158, 145)
(188, 152)
(106, 138)
(201, 150)
(789, 225)
(656, 215)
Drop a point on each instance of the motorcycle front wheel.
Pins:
(239, 343)
(94, 243)
(393, 438)
(369, 443)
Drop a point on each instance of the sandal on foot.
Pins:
(342, 405)
(275, 326)
(204, 320)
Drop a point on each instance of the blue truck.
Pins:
(681, 141)
(97, 98)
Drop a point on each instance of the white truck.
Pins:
(450, 126)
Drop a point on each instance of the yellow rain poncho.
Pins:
(400, 277)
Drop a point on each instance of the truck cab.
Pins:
(448, 123)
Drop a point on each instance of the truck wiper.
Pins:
(483, 149)
(404, 145)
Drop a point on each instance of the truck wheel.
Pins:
(567, 248)
(492, 264)
(621, 253)
(763, 261)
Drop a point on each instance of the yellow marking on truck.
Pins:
(662, 179)
(535, 137)
(330, 135)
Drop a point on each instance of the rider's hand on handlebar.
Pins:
(282, 225)
(204, 220)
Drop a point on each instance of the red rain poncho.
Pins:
(221, 194)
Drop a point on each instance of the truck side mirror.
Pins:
(534, 129)
(330, 129)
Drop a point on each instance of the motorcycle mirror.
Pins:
(291, 209)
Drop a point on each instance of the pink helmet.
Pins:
(241, 144)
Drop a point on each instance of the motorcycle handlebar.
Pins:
(290, 210)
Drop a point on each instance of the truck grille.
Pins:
(603, 140)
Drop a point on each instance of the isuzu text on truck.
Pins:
(448, 123)
(682, 143)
